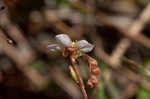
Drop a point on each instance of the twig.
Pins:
(138, 38)
(52, 18)
(133, 32)
(119, 51)
(22, 61)
(100, 53)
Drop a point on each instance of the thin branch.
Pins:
(133, 32)
(22, 61)
(140, 38)
(119, 51)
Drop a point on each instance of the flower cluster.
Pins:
(74, 50)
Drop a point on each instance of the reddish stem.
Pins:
(81, 84)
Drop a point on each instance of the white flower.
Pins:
(64, 40)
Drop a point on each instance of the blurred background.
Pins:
(119, 29)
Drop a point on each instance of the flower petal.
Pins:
(84, 46)
(64, 39)
(54, 47)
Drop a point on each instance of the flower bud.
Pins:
(94, 65)
(89, 84)
(93, 80)
(96, 70)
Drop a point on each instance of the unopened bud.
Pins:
(94, 80)
(94, 66)
(96, 71)
(89, 84)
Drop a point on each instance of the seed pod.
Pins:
(73, 74)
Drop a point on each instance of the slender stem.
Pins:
(85, 57)
(80, 84)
